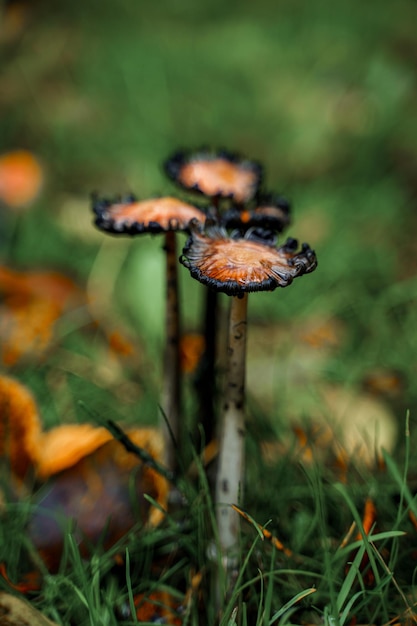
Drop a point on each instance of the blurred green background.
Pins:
(323, 93)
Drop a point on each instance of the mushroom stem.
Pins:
(229, 481)
(204, 382)
(171, 371)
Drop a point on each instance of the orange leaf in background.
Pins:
(83, 474)
(21, 178)
(32, 303)
(46, 285)
(385, 382)
(27, 330)
(15, 18)
(120, 345)
(20, 428)
(159, 607)
(31, 582)
(369, 517)
(63, 446)
(103, 494)
(323, 334)
(191, 351)
(368, 523)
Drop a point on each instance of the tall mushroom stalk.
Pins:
(229, 478)
(165, 215)
(171, 387)
(237, 266)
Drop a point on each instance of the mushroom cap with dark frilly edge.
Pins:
(133, 217)
(238, 265)
(270, 211)
(215, 174)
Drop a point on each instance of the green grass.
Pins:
(324, 95)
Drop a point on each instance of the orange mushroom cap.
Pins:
(133, 217)
(219, 174)
(237, 265)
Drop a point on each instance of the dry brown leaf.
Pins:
(17, 612)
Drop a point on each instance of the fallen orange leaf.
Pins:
(102, 495)
(159, 607)
(191, 351)
(32, 303)
(84, 476)
(20, 427)
(21, 178)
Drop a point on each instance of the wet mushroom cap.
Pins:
(234, 266)
(155, 215)
(219, 174)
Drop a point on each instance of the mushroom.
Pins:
(215, 174)
(237, 266)
(270, 211)
(225, 176)
(157, 215)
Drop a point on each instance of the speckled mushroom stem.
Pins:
(171, 397)
(229, 481)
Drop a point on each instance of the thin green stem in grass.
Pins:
(331, 613)
(238, 586)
